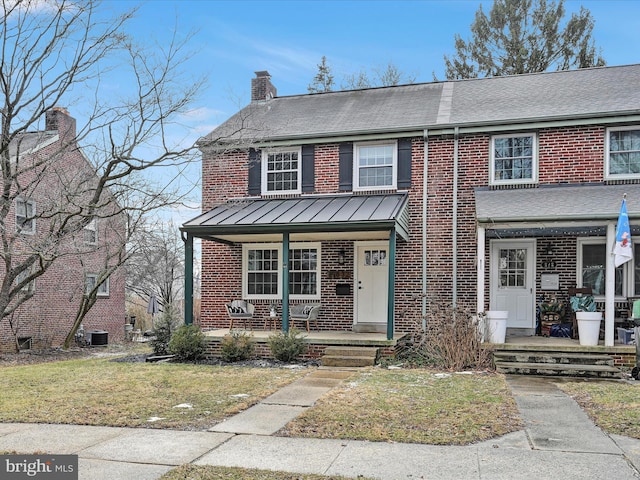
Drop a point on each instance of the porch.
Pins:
(317, 341)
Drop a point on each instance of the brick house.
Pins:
(492, 193)
(49, 187)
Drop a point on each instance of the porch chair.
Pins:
(304, 313)
(579, 298)
(240, 310)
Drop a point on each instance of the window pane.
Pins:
(624, 152)
(282, 171)
(262, 267)
(303, 278)
(513, 158)
(594, 269)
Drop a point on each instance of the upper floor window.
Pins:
(513, 159)
(375, 166)
(90, 283)
(25, 216)
(29, 287)
(623, 153)
(281, 171)
(91, 232)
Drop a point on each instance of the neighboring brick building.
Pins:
(524, 181)
(51, 186)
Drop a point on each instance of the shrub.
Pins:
(236, 346)
(451, 340)
(188, 343)
(287, 346)
(163, 328)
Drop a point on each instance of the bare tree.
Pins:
(52, 53)
(388, 76)
(157, 266)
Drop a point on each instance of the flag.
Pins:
(622, 250)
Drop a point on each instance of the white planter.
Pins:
(589, 327)
(497, 325)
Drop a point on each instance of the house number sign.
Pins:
(549, 265)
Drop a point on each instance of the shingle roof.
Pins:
(26, 142)
(500, 100)
(557, 203)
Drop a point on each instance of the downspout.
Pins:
(188, 278)
(425, 170)
(454, 227)
(392, 284)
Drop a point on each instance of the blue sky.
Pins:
(233, 39)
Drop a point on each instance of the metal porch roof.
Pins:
(303, 215)
(566, 203)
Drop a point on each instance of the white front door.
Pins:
(512, 275)
(372, 280)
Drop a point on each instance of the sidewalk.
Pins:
(559, 441)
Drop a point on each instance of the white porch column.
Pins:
(480, 265)
(610, 287)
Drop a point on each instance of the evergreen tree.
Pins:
(524, 36)
(323, 81)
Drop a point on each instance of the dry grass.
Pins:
(191, 472)
(613, 406)
(417, 406)
(101, 392)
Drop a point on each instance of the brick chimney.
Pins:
(59, 119)
(262, 88)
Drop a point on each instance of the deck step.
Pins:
(557, 369)
(349, 357)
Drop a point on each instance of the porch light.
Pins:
(341, 255)
(548, 250)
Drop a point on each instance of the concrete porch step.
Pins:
(349, 356)
(554, 357)
(556, 369)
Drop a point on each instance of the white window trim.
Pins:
(356, 166)
(278, 246)
(102, 292)
(91, 227)
(264, 171)
(22, 231)
(627, 274)
(534, 157)
(607, 144)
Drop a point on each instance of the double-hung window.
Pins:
(262, 271)
(592, 265)
(281, 171)
(623, 153)
(375, 166)
(25, 216)
(29, 287)
(513, 159)
(91, 279)
(91, 232)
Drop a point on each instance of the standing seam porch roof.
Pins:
(330, 213)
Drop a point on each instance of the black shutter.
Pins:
(308, 166)
(346, 167)
(255, 173)
(404, 163)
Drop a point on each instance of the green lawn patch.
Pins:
(101, 392)
(613, 406)
(416, 406)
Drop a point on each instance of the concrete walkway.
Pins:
(559, 442)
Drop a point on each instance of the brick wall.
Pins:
(565, 155)
(48, 316)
